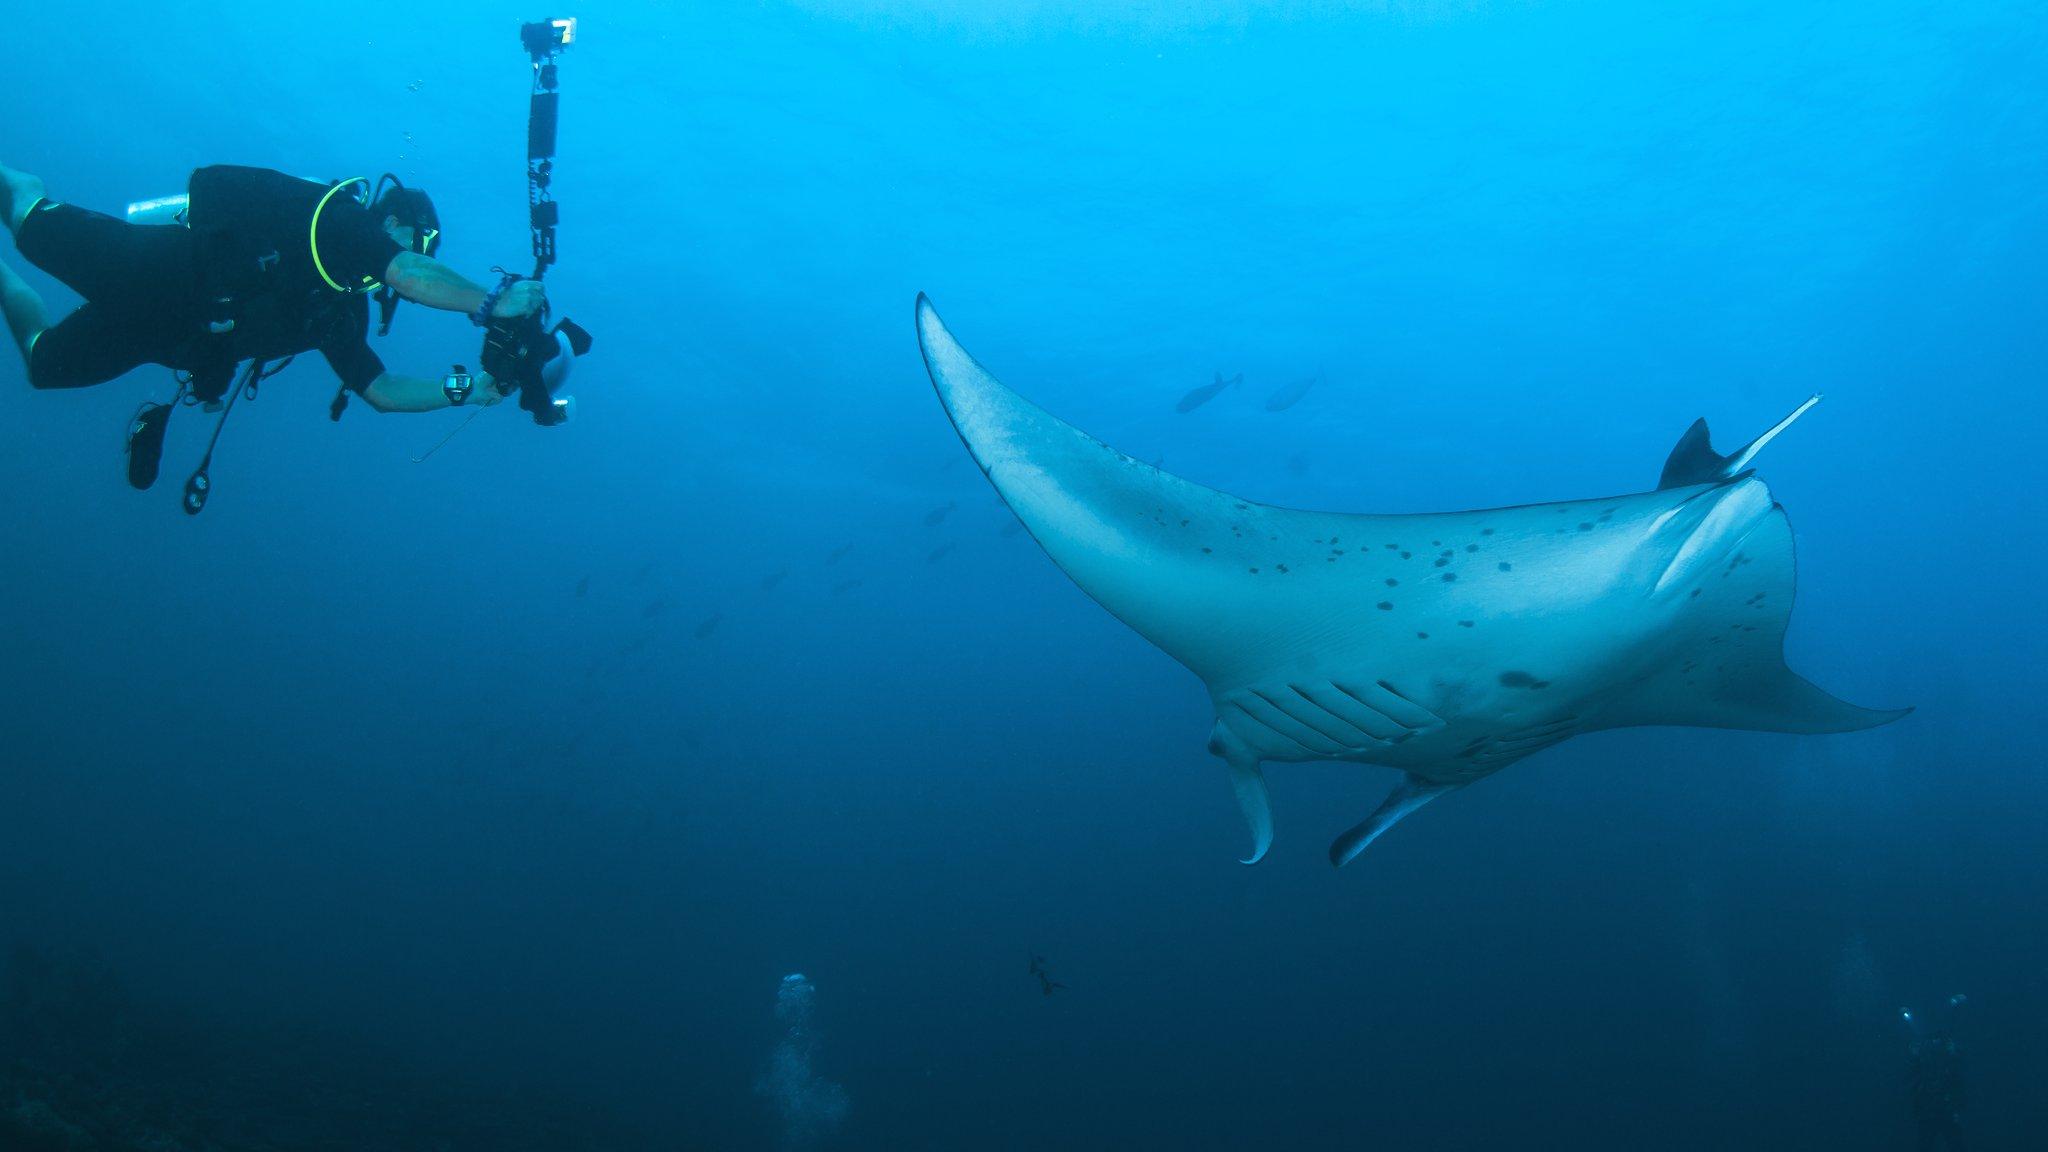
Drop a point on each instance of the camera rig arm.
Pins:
(524, 353)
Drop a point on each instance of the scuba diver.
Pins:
(255, 266)
(259, 266)
(1935, 1078)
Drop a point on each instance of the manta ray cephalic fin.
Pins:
(1411, 793)
(1248, 783)
(1694, 461)
(1257, 805)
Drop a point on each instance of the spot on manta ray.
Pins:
(1666, 607)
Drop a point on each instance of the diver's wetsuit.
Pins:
(252, 256)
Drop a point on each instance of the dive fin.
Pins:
(1411, 793)
(1694, 461)
(145, 448)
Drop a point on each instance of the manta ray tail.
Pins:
(1694, 460)
(1411, 793)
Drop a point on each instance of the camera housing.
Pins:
(544, 38)
(525, 356)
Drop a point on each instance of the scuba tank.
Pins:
(162, 210)
(178, 209)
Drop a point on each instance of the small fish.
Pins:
(846, 586)
(583, 588)
(1297, 464)
(938, 553)
(937, 516)
(1046, 984)
(1013, 527)
(769, 581)
(654, 608)
(709, 625)
(1290, 395)
(1197, 397)
(839, 553)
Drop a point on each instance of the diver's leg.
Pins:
(27, 319)
(97, 343)
(19, 193)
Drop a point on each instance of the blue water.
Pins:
(345, 780)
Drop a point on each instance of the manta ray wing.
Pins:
(1727, 668)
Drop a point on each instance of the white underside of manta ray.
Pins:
(1446, 645)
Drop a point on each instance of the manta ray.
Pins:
(1445, 645)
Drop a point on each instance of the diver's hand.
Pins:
(520, 298)
(486, 391)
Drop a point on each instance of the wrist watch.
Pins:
(456, 386)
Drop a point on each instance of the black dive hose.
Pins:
(199, 485)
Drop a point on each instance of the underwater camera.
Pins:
(525, 355)
(544, 38)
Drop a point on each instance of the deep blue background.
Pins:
(349, 749)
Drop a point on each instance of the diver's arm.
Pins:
(425, 280)
(391, 392)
